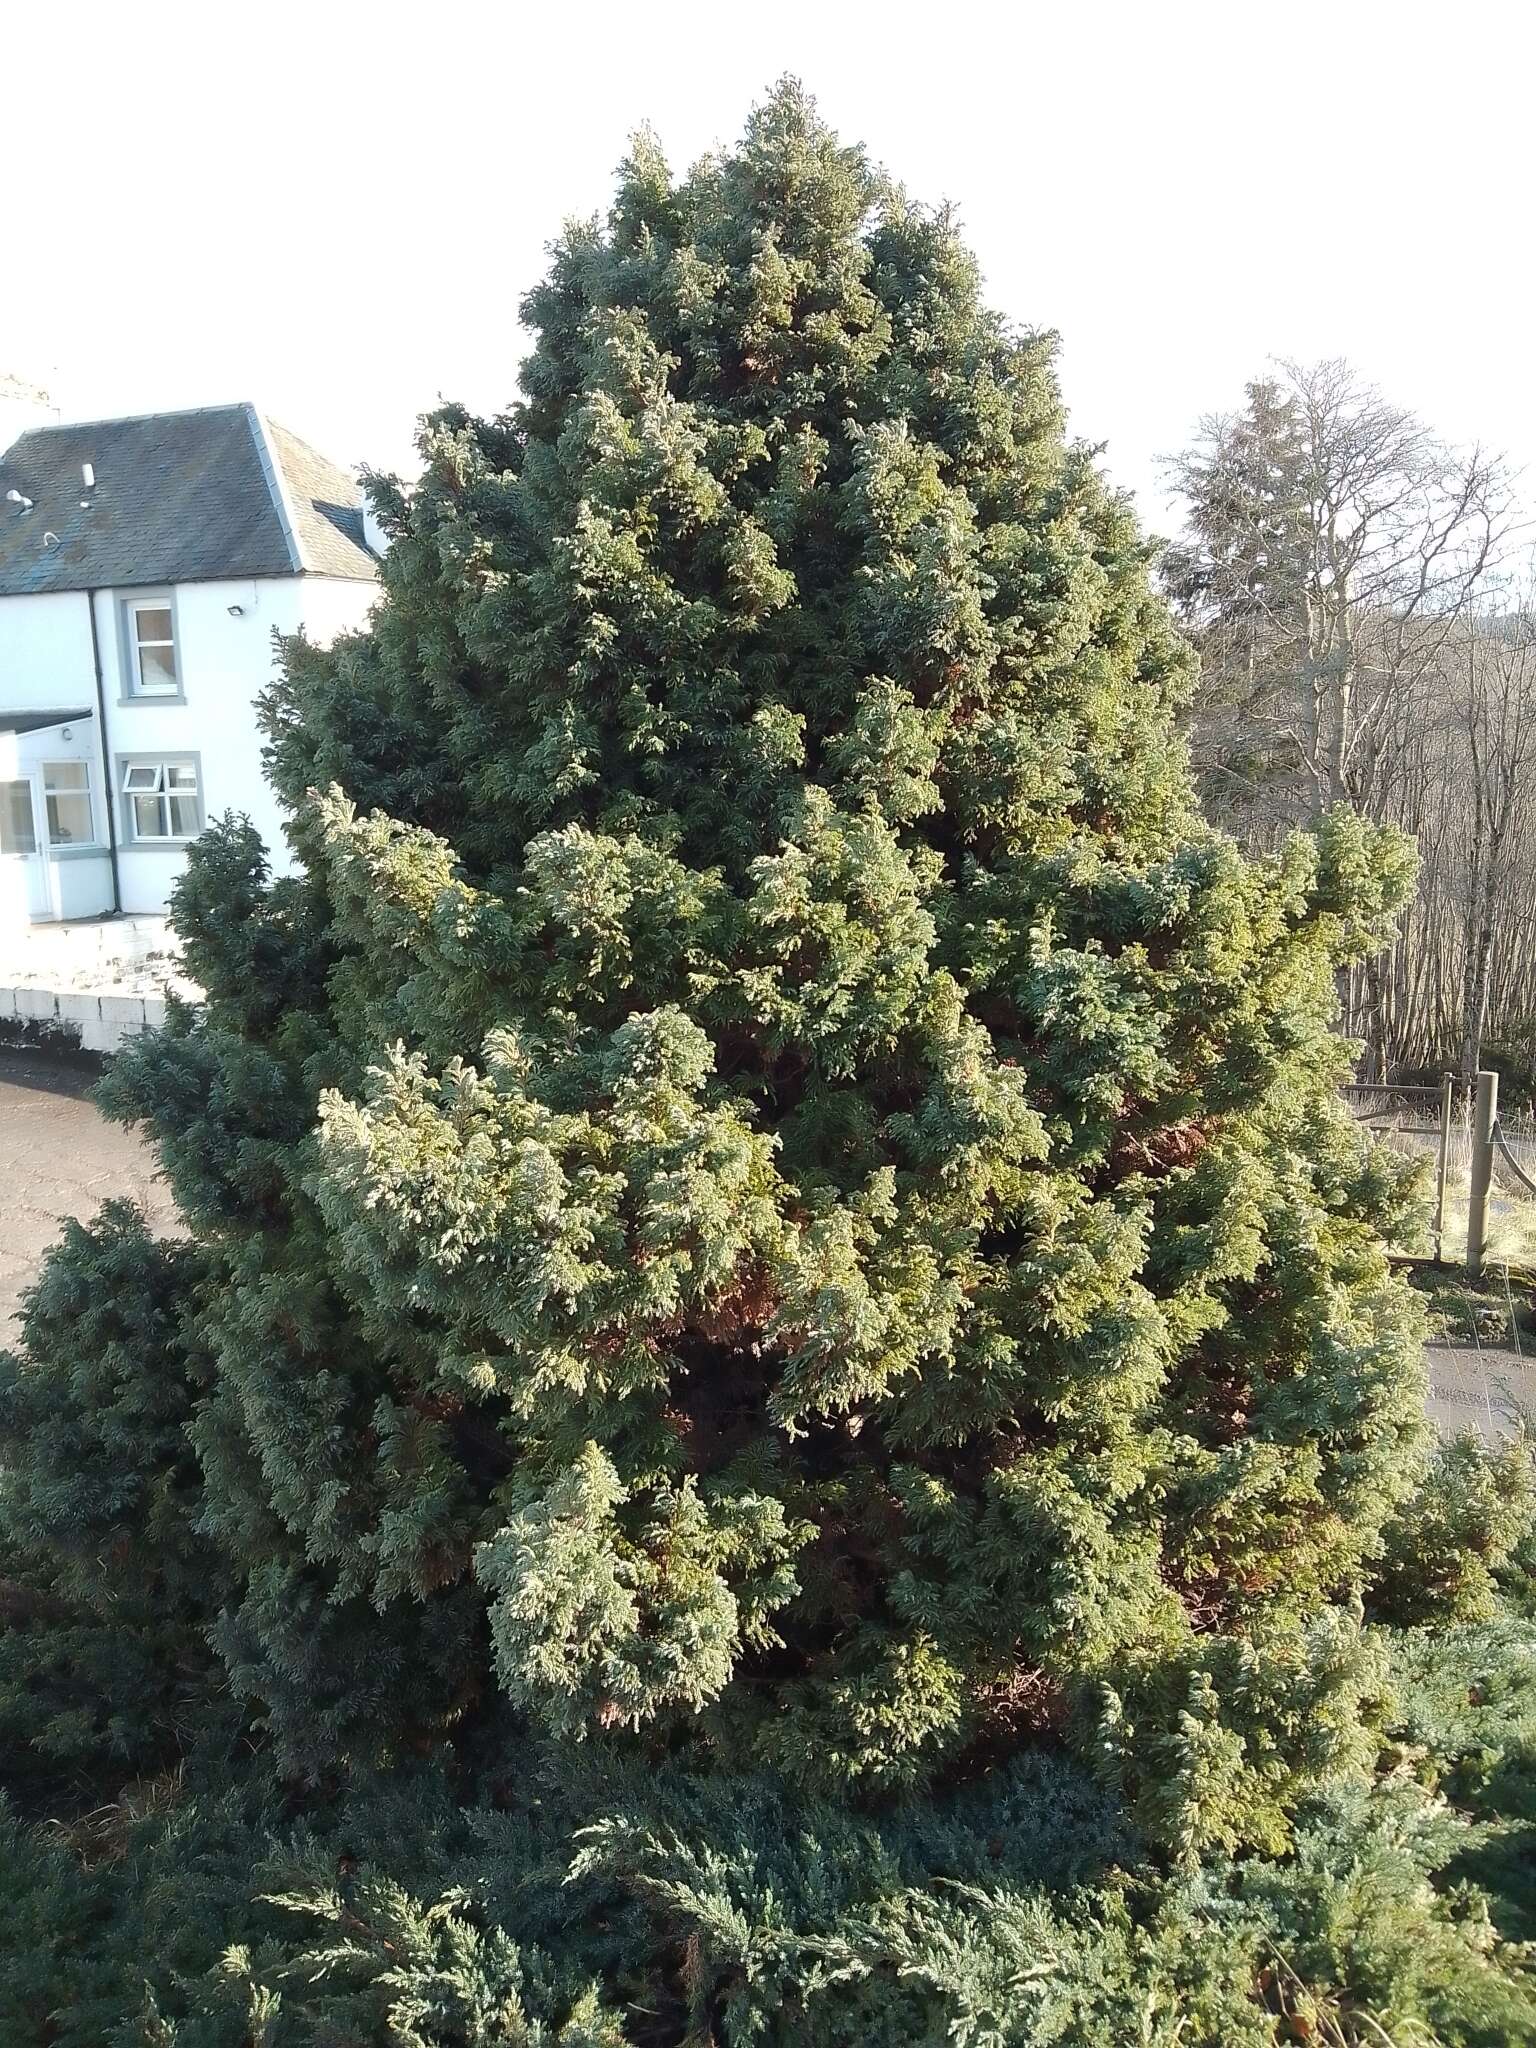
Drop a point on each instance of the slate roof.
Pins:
(179, 497)
(39, 721)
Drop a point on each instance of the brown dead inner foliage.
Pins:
(1155, 1153)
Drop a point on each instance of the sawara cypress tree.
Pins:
(768, 1195)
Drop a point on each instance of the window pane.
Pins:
(152, 622)
(142, 775)
(185, 821)
(69, 820)
(147, 821)
(181, 775)
(157, 668)
(65, 775)
(16, 830)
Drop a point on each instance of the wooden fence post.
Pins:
(1485, 1114)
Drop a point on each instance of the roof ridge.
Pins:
(277, 484)
(131, 419)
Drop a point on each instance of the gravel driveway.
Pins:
(58, 1158)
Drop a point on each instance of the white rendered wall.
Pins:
(15, 902)
(329, 605)
(45, 653)
(224, 659)
(82, 884)
(23, 753)
(224, 662)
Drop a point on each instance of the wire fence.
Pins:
(1435, 1123)
(1481, 1212)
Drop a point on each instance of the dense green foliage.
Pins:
(107, 1585)
(1016, 1912)
(786, 1395)
(1457, 1536)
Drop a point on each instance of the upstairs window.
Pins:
(161, 800)
(67, 793)
(152, 650)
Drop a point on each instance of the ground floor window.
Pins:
(161, 798)
(18, 825)
(67, 792)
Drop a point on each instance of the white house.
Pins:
(144, 564)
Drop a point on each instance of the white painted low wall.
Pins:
(96, 1023)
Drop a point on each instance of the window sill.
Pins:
(156, 845)
(73, 852)
(171, 697)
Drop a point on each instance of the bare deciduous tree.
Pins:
(1333, 543)
(1499, 706)
(1341, 572)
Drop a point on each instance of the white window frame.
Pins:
(45, 770)
(39, 838)
(135, 689)
(131, 787)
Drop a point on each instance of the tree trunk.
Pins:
(1479, 959)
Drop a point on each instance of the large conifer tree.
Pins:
(768, 1195)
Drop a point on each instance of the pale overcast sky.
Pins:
(334, 210)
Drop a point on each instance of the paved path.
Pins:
(58, 1158)
(1483, 1390)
